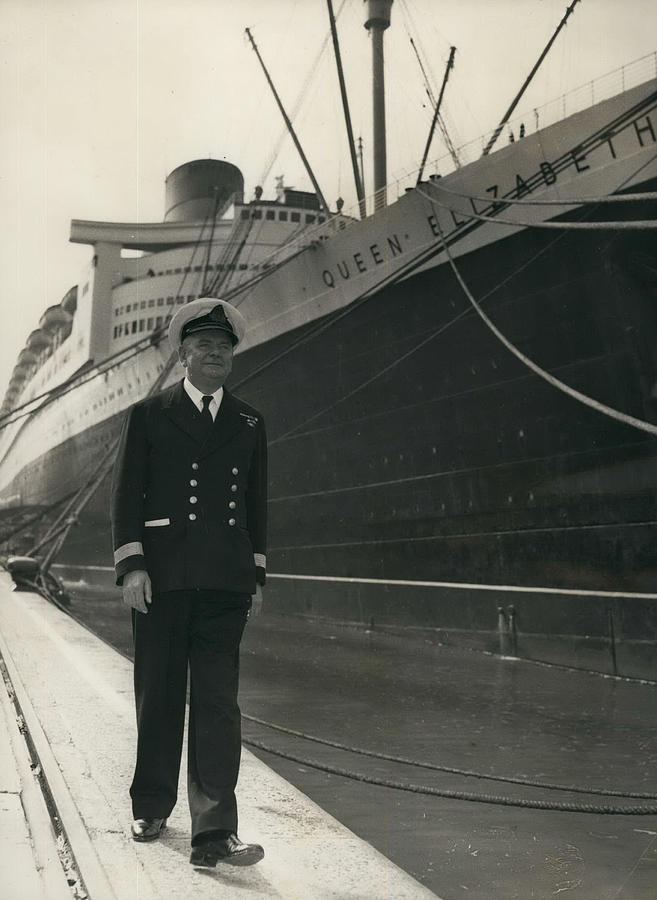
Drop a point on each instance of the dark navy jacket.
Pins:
(189, 504)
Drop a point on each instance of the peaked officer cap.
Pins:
(205, 313)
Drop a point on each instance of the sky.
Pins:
(101, 99)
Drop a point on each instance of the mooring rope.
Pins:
(466, 773)
(571, 201)
(472, 796)
(622, 225)
(606, 410)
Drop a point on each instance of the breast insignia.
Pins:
(250, 420)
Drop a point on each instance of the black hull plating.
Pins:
(454, 462)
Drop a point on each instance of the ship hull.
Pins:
(423, 477)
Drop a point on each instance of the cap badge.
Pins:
(218, 316)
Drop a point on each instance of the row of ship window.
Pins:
(282, 216)
(219, 267)
(138, 325)
(143, 304)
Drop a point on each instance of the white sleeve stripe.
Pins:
(260, 560)
(134, 548)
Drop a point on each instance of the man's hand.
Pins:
(256, 601)
(137, 590)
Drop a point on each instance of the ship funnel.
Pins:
(202, 189)
(378, 19)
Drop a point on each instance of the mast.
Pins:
(378, 19)
(436, 112)
(345, 105)
(432, 100)
(290, 128)
(507, 114)
(360, 160)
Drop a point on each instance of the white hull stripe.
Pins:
(134, 548)
(461, 586)
(260, 560)
(512, 588)
(157, 523)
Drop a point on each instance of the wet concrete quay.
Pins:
(463, 710)
(477, 713)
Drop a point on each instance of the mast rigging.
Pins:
(507, 114)
(290, 127)
(432, 100)
(345, 105)
(450, 64)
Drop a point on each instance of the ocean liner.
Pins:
(460, 387)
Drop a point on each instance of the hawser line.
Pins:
(547, 176)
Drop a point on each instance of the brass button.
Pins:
(195, 466)
(192, 517)
(233, 487)
(193, 482)
(231, 521)
(193, 499)
(232, 504)
(235, 470)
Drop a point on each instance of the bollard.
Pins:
(502, 631)
(612, 639)
(513, 630)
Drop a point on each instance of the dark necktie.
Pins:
(206, 415)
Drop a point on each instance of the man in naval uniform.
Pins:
(188, 519)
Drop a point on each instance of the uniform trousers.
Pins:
(201, 630)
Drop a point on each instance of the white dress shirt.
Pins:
(197, 398)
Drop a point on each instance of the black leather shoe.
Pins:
(225, 849)
(147, 829)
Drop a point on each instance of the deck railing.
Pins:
(575, 100)
(534, 119)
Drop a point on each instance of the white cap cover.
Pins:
(226, 318)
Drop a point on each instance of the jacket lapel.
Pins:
(183, 413)
(226, 425)
(179, 408)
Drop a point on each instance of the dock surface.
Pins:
(396, 694)
(67, 697)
